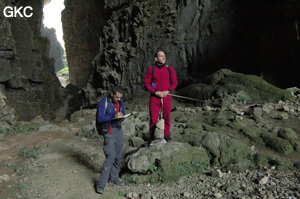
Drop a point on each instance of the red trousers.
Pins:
(155, 105)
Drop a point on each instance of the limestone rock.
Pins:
(7, 113)
(56, 51)
(28, 74)
(224, 148)
(136, 141)
(169, 155)
(264, 180)
(49, 128)
(217, 173)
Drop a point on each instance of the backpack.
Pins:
(100, 125)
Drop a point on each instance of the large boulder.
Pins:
(166, 156)
(224, 149)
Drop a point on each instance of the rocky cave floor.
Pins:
(40, 163)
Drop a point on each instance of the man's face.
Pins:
(116, 97)
(160, 58)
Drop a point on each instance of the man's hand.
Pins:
(118, 115)
(166, 93)
(159, 94)
(162, 94)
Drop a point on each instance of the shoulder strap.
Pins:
(169, 70)
(153, 68)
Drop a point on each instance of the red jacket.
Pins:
(162, 79)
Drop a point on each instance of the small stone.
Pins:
(273, 183)
(4, 177)
(238, 118)
(283, 116)
(131, 195)
(286, 108)
(240, 191)
(264, 180)
(217, 173)
(207, 108)
(218, 195)
(187, 195)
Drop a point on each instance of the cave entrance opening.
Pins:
(52, 29)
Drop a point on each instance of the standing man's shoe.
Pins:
(100, 190)
(118, 182)
(167, 138)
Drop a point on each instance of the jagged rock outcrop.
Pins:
(56, 51)
(82, 25)
(27, 73)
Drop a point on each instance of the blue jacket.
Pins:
(110, 111)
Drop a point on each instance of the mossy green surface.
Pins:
(258, 89)
(255, 89)
(277, 144)
(253, 135)
(268, 160)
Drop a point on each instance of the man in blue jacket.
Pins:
(110, 109)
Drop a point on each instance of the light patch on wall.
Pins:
(52, 18)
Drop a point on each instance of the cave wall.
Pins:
(56, 51)
(82, 24)
(198, 36)
(27, 75)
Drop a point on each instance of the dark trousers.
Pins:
(113, 147)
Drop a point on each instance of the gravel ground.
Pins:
(246, 185)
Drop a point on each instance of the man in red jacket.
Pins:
(160, 80)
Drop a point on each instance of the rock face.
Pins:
(198, 37)
(7, 112)
(56, 51)
(27, 73)
(82, 24)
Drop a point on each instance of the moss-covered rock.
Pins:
(236, 87)
(253, 135)
(268, 160)
(277, 144)
(287, 133)
(165, 156)
(241, 166)
(224, 149)
(220, 119)
(258, 89)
